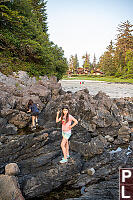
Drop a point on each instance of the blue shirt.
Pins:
(34, 108)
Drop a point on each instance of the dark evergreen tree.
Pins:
(118, 60)
(73, 63)
(86, 64)
(123, 44)
(24, 38)
(76, 61)
(94, 62)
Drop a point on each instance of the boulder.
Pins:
(125, 108)
(109, 138)
(6, 128)
(124, 133)
(9, 188)
(38, 90)
(20, 120)
(12, 169)
(89, 149)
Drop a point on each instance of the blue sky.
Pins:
(80, 26)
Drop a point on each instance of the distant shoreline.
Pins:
(92, 81)
(81, 80)
(112, 89)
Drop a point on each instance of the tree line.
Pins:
(25, 44)
(117, 60)
(24, 40)
(87, 65)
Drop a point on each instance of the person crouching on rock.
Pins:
(34, 112)
(66, 120)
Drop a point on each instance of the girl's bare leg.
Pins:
(67, 148)
(63, 147)
(37, 119)
(33, 120)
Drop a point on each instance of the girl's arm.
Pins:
(75, 123)
(57, 117)
(29, 110)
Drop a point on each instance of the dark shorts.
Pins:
(34, 113)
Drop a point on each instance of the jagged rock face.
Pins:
(6, 128)
(89, 149)
(124, 133)
(104, 184)
(18, 118)
(92, 113)
(38, 154)
(50, 178)
(18, 89)
(126, 108)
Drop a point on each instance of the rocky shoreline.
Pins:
(101, 143)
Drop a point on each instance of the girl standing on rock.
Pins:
(66, 120)
(34, 112)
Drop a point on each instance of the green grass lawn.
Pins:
(107, 79)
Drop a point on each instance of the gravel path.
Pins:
(114, 90)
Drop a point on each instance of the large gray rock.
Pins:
(9, 188)
(16, 117)
(12, 169)
(38, 90)
(6, 128)
(89, 149)
(8, 80)
(51, 177)
(124, 134)
(125, 108)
